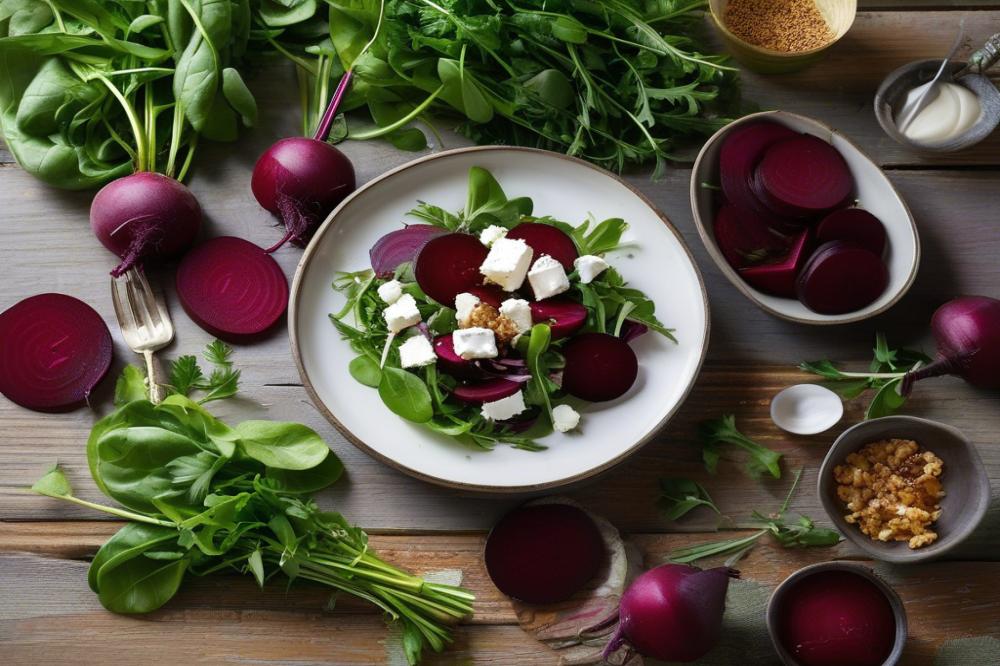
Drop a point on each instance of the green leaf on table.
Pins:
(307, 480)
(239, 96)
(282, 445)
(679, 496)
(53, 484)
(405, 395)
(714, 433)
(130, 385)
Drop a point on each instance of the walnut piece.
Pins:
(485, 315)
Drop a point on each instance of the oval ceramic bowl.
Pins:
(963, 477)
(839, 15)
(874, 192)
(656, 261)
(892, 93)
(780, 593)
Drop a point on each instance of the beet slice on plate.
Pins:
(232, 288)
(54, 349)
(489, 294)
(778, 279)
(398, 247)
(842, 277)
(739, 155)
(803, 176)
(544, 553)
(599, 367)
(563, 315)
(546, 239)
(853, 225)
(489, 390)
(449, 265)
(745, 238)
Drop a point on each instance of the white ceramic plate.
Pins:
(655, 260)
(874, 192)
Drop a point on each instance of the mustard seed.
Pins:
(780, 25)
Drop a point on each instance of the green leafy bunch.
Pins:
(91, 90)
(203, 497)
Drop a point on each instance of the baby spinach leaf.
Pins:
(129, 542)
(282, 445)
(53, 484)
(405, 395)
(239, 96)
(139, 584)
(365, 371)
(307, 480)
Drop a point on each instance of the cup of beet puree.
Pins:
(836, 614)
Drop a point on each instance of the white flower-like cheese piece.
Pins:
(564, 418)
(491, 234)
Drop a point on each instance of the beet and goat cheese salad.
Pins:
(491, 325)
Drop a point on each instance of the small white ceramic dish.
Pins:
(655, 261)
(874, 191)
(806, 409)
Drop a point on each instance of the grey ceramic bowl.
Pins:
(892, 93)
(964, 479)
(780, 593)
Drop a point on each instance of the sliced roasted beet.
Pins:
(546, 239)
(745, 237)
(544, 553)
(853, 225)
(741, 151)
(632, 330)
(452, 363)
(489, 390)
(232, 288)
(54, 349)
(802, 177)
(400, 246)
(489, 294)
(563, 315)
(778, 278)
(448, 265)
(599, 367)
(841, 277)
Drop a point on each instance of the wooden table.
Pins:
(49, 616)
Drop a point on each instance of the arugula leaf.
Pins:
(679, 496)
(715, 433)
(541, 385)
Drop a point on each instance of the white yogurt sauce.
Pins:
(951, 114)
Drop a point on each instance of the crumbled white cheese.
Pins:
(518, 311)
(564, 418)
(492, 234)
(547, 277)
(416, 352)
(465, 303)
(504, 408)
(390, 291)
(474, 342)
(589, 266)
(402, 314)
(507, 263)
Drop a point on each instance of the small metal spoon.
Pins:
(910, 110)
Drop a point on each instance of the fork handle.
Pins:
(154, 374)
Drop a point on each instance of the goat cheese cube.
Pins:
(390, 291)
(547, 277)
(507, 263)
(518, 311)
(416, 352)
(589, 267)
(474, 342)
(564, 418)
(465, 303)
(402, 314)
(504, 408)
(491, 234)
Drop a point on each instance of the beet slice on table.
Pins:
(546, 239)
(841, 277)
(854, 225)
(803, 176)
(449, 265)
(598, 367)
(778, 278)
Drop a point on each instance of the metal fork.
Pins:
(145, 323)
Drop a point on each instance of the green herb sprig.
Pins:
(678, 497)
(715, 433)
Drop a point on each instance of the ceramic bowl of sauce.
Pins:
(836, 613)
(965, 112)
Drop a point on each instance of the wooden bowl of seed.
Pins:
(777, 36)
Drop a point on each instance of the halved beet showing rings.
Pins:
(449, 265)
(546, 239)
(564, 316)
(745, 238)
(599, 367)
(841, 277)
(803, 176)
(778, 279)
(490, 390)
(398, 247)
(452, 363)
(54, 349)
(739, 155)
(232, 288)
(853, 225)
(544, 553)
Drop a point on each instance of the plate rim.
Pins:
(310, 251)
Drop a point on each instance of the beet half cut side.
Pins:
(450, 362)
(802, 177)
(741, 151)
(449, 265)
(853, 225)
(564, 316)
(546, 239)
(544, 553)
(232, 288)
(54, 349)
(489, 390)
(778, 279)
(745, 238)
(398, 247)
(599, 367)
(841, 277)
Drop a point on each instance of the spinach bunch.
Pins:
(91, 90)
(203, 497)
(616, 82)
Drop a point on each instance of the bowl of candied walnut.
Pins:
(904, 489)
